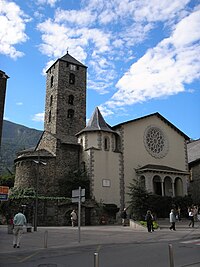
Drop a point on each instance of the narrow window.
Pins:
(70, 113)
(106, 143)
(71, 100)
(72, 67)
(50, 116)
(51, 100)
(51, 81)
(71, 78)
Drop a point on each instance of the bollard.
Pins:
(45, 238)
(171, 256)
(96, 259)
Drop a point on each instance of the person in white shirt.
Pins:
(19, 221)
(73, 218)
(191, 217)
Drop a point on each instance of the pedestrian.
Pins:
(124, 217)
(73, 218)
(191, 217)
(179, 213)
(149, 220)
(19, 221)
(195, 213)
(172, 219)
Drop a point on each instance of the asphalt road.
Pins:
(116, 246)
(138, 254)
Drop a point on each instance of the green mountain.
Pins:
(15, 137)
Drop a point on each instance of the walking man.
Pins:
(172, 219)
(124, 217)
(73, 218)
(19, 221)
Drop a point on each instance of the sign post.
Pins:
(78, 196)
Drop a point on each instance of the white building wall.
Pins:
(106, 177)
(136, 155)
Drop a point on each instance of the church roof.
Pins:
(68, 58)
(159, 168)
(97, 123)
(160, 117)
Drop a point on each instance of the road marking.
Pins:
(193, 241)
(30, 256)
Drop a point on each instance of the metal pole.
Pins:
(79, 215)
(171, 257)
(36, 194)
(45, 238)
(96, 259)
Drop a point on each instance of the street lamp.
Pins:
(38, 162)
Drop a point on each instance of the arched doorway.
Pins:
(178, 186)
(157, 187)
(168, 187)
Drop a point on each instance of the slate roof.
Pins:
(153, 167)
(159, 116)
(70, 59)
(193, 149)
(97, 123)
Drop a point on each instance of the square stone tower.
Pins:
(3, 82)
(65, 110)
(65, 115)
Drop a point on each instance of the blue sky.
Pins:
(142, 57)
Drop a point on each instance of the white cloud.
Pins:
(38, 117)
(75, 17)
(12, 31)
(19, 103)
(165, 69)
(48, 2)
(108, 31)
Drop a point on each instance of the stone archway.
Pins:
(157, 185)
(168, 191)
(178, 187)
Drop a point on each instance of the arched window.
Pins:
(70, 113)
(71, 78)
(51, 81)
(71, 100)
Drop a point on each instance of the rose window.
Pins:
(155, 142)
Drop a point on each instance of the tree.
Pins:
(7, 180)
(72, 181)
(139, 199)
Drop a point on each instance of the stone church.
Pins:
(149, 148)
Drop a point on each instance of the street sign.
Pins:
(4, 193)
(75, 193)
(76, 199)
(4, 189)
(3, 197)
(78, 193)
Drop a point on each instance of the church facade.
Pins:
(149, 148)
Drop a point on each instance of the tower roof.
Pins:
(70, 59)
(97, 123)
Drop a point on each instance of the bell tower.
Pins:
(65, 110)
(3, 81)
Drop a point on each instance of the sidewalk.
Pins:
(55, 237)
